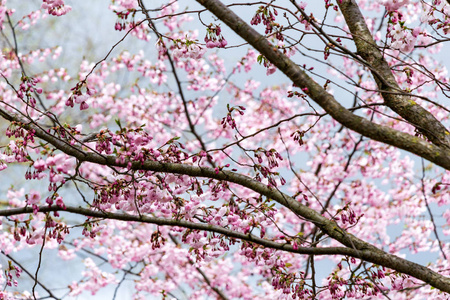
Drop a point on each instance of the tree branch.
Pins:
(400, 103)
(186, 224)
(434, 153)
(367, 251)
(362, 250)
(50, 294)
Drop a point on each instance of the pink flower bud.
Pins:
(223, 43)
(84, 106)
(69, 102)
(210, 44)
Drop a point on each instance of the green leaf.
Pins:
(259, 59)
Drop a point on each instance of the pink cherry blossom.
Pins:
(56, 7)
(394, 4)
(33, 197)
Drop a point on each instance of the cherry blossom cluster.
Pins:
(267, 15)
(298, 136)
(347, 215)
(30, 20)
(269, 66)
(26, 229)
(394, 5)
(121, 5)
(272, 156)
(229, 120)
(11, 273)
(57, 166)
(122, 20)
(247, 61)
(291, 286)
(328, 4)
(23, 138)
(27, 89)
(214, 38)
(56, 7)
(188, 49)
(338, 281)
(403, 39)
(437, 15)
(96, 279)
(78, 97)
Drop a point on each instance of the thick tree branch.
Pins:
(434, 153)
(366, 251)
(362, 250)
(186, 224)
(400, 103)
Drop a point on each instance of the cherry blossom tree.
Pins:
(227, 150)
